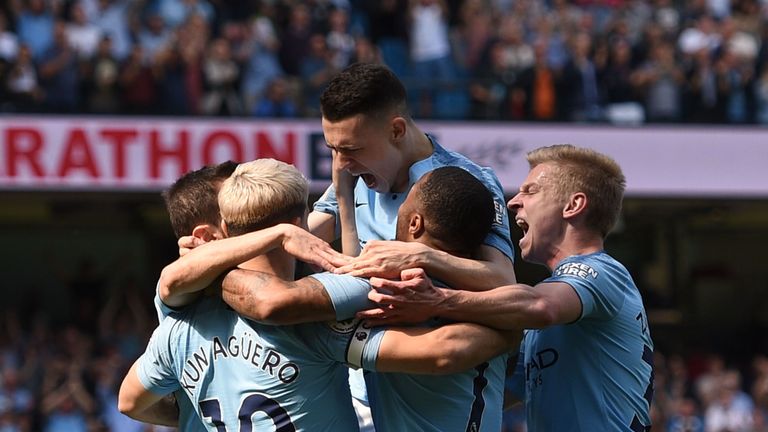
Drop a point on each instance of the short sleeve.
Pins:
(348, 341)
(348, 294)
(500, 235)
(162, 309)
(155, 367)
(370, 348)
(599, 297)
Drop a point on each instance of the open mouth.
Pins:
(522, 224)
(369, 180)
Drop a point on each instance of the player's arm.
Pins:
(181, 280)
(490, 269)
(415, 299)
(137, 402)
(268, 299)
(322, 225)
(386, 259)
(449, 349)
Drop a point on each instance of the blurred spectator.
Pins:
(294, 42)
(366, 52)
(616, 76)
(82, 35)
(731, 410)
(660, 79)
(154, 37)
(686, 417)
(537, 86)
(24, 91)
(432, 66)
(9, 42)
(171, 72)
(473, 34)
(103, 70)
(262, 65)
(278, 101)
(704, 99)
(137, 84)
(68, 403)
(221, 74)
(339, 40)
(389, 33)
(317, 69)
(707, 383)
(59, 73)
(489, 91)
(35, 27)
(580, 93)
(113, 17)
(176, 12)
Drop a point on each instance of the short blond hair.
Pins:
(262, 193)
(579, 169)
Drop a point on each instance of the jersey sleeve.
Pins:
(593, 285)
(162, 309)
(348, 294)
(155, 367)
(342, 341)
(369, 347)
(328, 204)
(500, 235)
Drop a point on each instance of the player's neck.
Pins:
(417, 146)
(573, 246)
(277, 263)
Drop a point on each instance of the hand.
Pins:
(343, 181)
(187, 243)
(411, 300)
(310, 249)
(385, 259)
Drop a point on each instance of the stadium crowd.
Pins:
(63, 374)
(555, 60)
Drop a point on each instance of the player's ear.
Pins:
(416, 225)
(205, 232)
(399, 127)
(576, 205)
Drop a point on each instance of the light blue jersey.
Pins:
(595, 374)
(188, 419)
(242, 375)
(376, 213)
(467, 401)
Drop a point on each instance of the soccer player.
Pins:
(193, 208)
(288, 377)
(587, 362)
(368, 128)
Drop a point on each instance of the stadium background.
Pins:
(85, 233)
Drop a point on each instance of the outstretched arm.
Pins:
(181, 280)
(140, 404)
(387, 259)
(415, 299)
(449, 349)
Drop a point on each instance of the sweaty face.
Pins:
(363, 147)
(539, 215)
